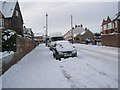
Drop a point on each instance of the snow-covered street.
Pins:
(95, 67)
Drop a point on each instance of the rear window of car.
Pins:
(56, 38)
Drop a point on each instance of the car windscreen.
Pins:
(56, 38)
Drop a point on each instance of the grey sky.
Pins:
(90, 14)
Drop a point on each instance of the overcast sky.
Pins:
(90, 14)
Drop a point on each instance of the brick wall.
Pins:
(111, 40)
(24, 46)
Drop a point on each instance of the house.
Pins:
(111, 31)
(107, 26)
(97, 39)
(85, 35)
(76, 30)
(80, 34)
(27, 32)
(111, 25)
(39, 38)
(11, 16)
(116, 22)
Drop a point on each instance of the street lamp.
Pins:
(46, 34)
(72, 28)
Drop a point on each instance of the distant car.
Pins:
(64, 49)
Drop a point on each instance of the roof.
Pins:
(104, 22)
(38, 34)
(108, 19)
(55, 34)
(116, 16)
(75, 34)
(83, 32)
(78, 30)
(7, 8)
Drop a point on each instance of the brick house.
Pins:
(27, 32)
(12, 17)
(111, 31)
(111, 26)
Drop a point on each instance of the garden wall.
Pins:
(23, 45)
(111, 40)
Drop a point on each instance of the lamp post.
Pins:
(72, 28)
(46, 33)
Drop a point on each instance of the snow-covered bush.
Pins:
(8, 40)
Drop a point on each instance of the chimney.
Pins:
(86, 29)
(4, 2)
(81, 25)
(75, 26)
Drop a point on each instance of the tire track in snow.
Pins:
(101, 58)
(115, 54)
(101, 73)
(68, 77)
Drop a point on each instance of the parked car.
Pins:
(52, 41)
(64, 49)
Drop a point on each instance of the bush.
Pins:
(8, 40)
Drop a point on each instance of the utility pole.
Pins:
(72, 28)
(46, 36)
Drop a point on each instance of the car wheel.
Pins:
(53, 55)
(50, 49)
(59, 59)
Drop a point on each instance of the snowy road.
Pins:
(95, 67)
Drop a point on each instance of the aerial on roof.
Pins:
(7, 8)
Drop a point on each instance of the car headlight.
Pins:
(60, 52)
(74, 51)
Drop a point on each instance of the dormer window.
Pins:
(17, 13)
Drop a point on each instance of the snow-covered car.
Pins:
(64, 49)
(52, 41)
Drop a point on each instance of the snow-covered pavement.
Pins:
(95, 67)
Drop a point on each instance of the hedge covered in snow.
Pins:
(8, 40)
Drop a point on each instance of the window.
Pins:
(116, 24)
(1, 22)
(17, 13)
(110, 26)
(105, 27)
